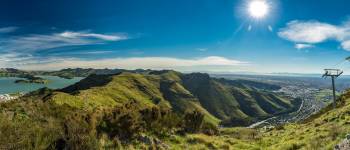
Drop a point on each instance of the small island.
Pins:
(66, 76)
(33, 79)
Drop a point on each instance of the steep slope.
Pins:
(322, 130)
(236, 102)
(213, 96)
(163, 90)
(326, 130)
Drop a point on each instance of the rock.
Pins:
(153, 142)
(344, 145)
(146, 139)
(160, 144)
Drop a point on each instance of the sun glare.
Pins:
(258, 8)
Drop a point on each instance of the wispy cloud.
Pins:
(313, 32)
(75, 35)
(14, 57)
(270, 28)
(89, 52)
(38, 42)
(8, 29)
(202, 49)
(98, 52)
(133, 63)
(303, 46)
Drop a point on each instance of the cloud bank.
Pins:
(131, 63)
(313, 32)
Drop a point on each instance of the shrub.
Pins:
(335, 131)
(123, 126)
(233, 122)
(209, 129)
(26, 134)
(193, 121)
(78, 134)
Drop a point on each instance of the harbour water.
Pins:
(8, 85)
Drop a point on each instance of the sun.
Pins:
(258, 8)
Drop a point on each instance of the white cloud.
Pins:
(313, 32)
(346, 45)
(270, 28)
(37, 42)
(202, 49)
(83, 52)
(8, 29)
(133, 63)
(74, 35)
(97, 52)
(309, 31)
(303, 46)
(11, 57)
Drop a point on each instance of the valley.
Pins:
(313, 92)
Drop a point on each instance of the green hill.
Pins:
(236, 102)
(218, 98)
(119, 110)
(325, 130)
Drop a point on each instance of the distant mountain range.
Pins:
(28, 77)
(65, 73)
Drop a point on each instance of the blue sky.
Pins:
(296, 36)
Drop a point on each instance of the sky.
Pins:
(216, 36)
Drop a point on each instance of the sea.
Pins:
(8, 85)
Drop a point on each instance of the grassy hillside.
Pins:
(218, 98)
(236, 102)
(322, 131)
(157, 108)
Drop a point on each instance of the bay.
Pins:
(8, 85)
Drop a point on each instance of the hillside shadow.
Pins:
(91, 81)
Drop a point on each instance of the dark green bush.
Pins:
(193, 121)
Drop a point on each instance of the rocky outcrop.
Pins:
(344, 145)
